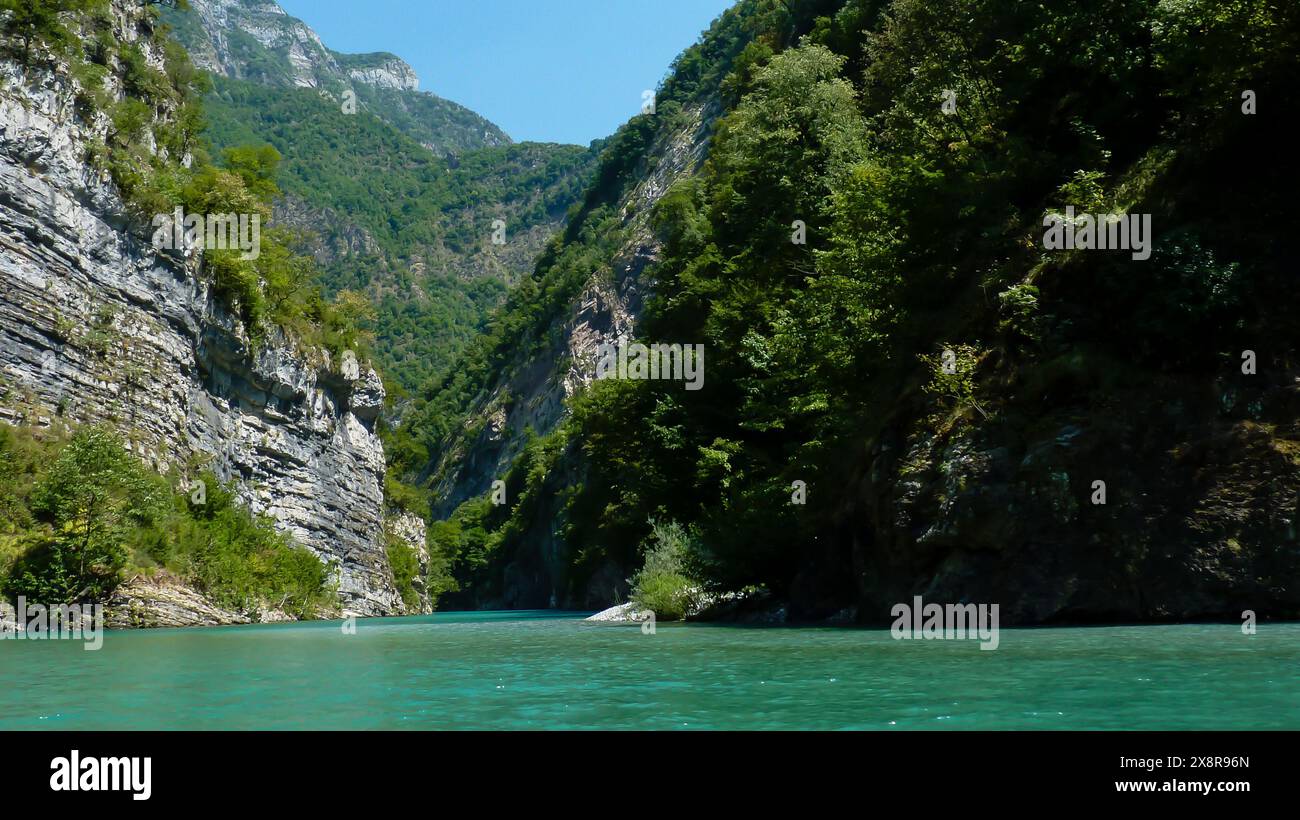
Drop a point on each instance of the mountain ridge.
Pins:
(258, 40)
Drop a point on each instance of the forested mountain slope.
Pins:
(410, 230)
(397, 193)
(928, 394)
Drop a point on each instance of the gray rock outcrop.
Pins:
(98, 327)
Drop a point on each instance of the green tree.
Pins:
(44, 23)
(664, 584)
(91, 498)
(256, 166)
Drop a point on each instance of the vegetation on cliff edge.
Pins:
(79, 514)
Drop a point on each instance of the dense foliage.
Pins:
(923, 237)
(594, 233)
(664, 584)
(81, 514)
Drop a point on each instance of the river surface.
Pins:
(547, 670)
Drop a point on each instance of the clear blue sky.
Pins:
(545, 70)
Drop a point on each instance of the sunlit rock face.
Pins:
(388, 72)
(96, 326)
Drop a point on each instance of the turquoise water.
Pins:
(540, 670)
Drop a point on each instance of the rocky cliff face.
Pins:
(380, 70)
(237, 29)
(1198, 516)
(95, 326)
(232, 22)
(309, 64)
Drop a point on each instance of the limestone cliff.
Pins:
(98, 327)
(237, 28)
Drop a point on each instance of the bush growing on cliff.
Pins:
(664, 585)
(81, 512)
(406, 566)
(43, 23)
(239, 559)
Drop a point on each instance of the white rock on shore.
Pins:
(623, 613)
